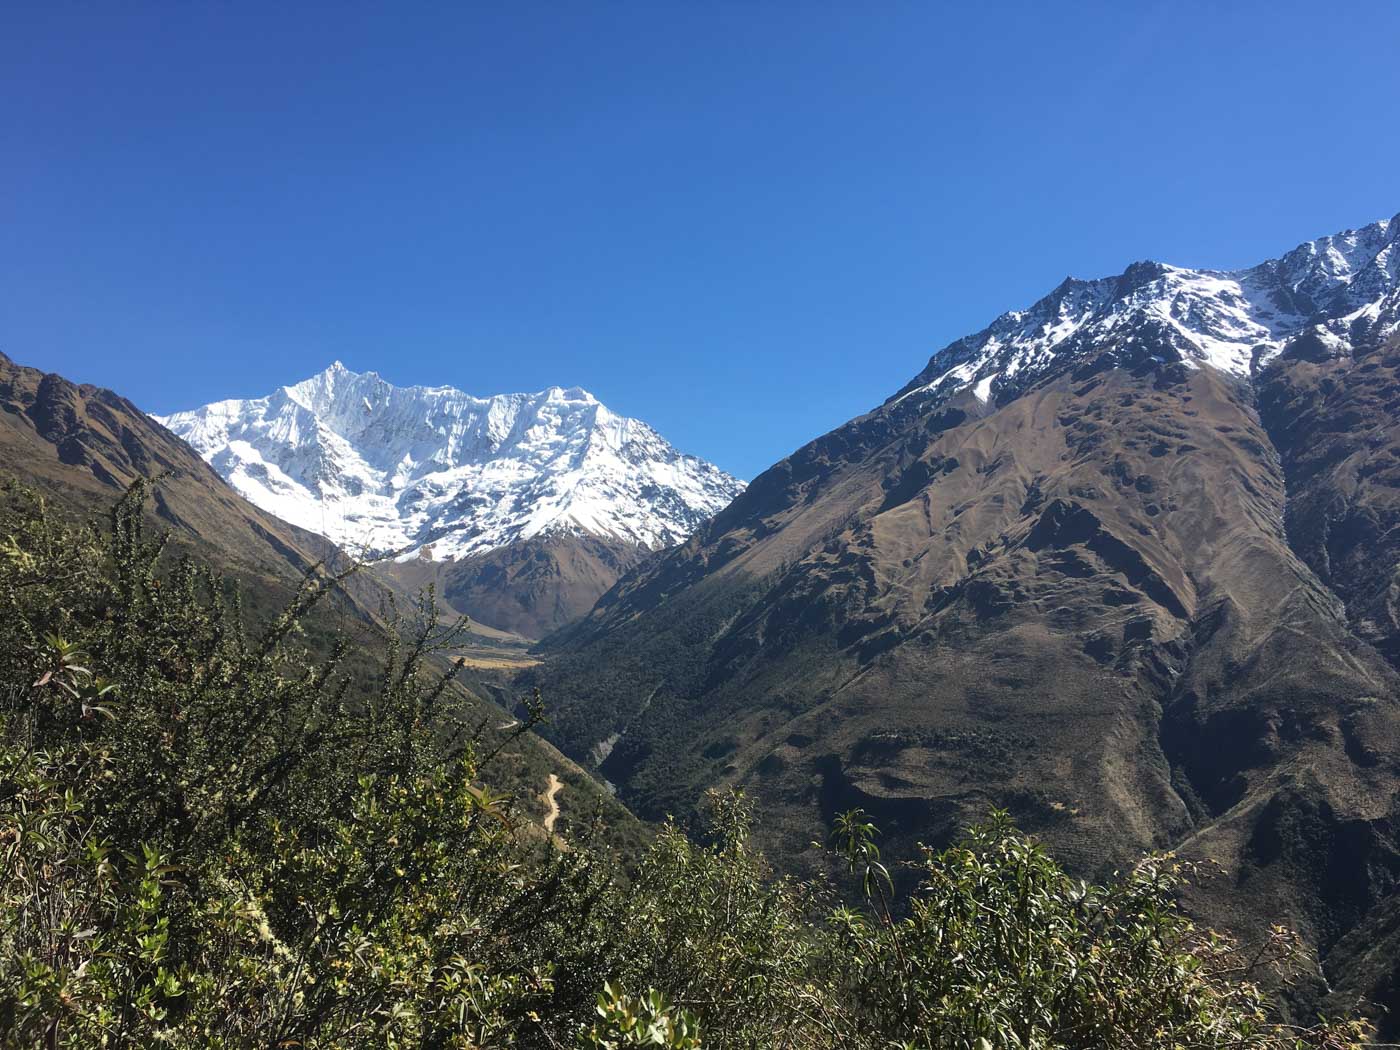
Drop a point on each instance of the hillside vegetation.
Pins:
(211, 836)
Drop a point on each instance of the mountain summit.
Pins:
(433, 471)
(522, 508)
(1339, 290)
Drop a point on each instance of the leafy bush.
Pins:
(1003, 949)
(211, 836)
(646, 1020)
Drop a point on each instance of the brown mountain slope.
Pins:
(81, 446)
(1336, 420)
(1082, 604)
(532, 587)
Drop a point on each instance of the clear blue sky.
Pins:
(742, 222)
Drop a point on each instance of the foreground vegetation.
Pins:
(212, 836)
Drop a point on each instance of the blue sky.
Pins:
(742, 222)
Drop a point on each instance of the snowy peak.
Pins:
(1343, 289)
(1316, 270)
(436, 471)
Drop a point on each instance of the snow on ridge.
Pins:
(1231, 320)
(410, 471)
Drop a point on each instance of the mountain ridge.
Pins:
(1233, 320)
(396, 469)
(522, 508)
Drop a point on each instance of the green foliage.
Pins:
(708, 923)
(1006, 950)
(213, 834)
(646, 1020)
(221, 839)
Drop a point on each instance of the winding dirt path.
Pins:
(552, 802)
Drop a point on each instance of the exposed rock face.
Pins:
(435, 474)
(1123, 563)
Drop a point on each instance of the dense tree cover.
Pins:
(209, 836)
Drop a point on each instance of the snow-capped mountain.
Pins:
(1126, 563)
(435, 472)
(1341, 290)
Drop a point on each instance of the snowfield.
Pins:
(406, 472)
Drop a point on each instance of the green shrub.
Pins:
(646, 1020)
(1001, 948)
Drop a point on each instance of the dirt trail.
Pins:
(552, 802)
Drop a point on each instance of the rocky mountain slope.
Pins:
(83, 445)
(526, 506)
(1125, 563)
